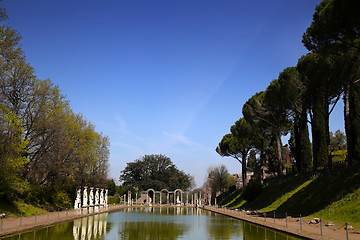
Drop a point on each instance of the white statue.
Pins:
(85, 197)
(106, 197)
(77, 204)
(102, 197)
(178, 200)
(97, 197)
(91, 197)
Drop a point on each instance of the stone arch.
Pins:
(149, 200)
(167, 195)
(176, 199)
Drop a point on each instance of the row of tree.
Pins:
(306, 93)
(43, 143)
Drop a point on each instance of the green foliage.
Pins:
(62, 200)
(113, 199)
(12, 149)
(43, 143)
(354, 117)
(111, 186)
(154, 171)
(337, 141)
(252, 190)
(339, 156)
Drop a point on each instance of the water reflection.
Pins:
(92, 227)
(220, 227)
(155, 223)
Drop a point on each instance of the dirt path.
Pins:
(310, 231)
(12, 225)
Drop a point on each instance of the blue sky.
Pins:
(163, 76)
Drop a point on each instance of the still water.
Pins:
(154, 223)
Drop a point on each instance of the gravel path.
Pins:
(12, 225)
(309, 231)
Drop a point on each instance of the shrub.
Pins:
(62, 200)
(252, 189)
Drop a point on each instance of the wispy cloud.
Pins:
(129, 147)
(121, 124)
(177, 138)
(182, 139)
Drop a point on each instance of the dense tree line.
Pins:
(306, 93)
(44, 146)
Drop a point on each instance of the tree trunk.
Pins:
(279, 155)
(354, 122)
(297, 139)
(243, 171)
(305, 147)
(349, 157)
(318, 128)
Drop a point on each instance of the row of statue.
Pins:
(88, 200)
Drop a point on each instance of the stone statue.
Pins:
(91, 197)
(102, 197)
(178, 200)
(78, 199)
(97, 196)
(85, 197)
(106, 197)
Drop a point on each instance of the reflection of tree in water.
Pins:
(151, 230)
(61, 231)
(221, 227)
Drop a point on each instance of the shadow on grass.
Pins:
(273, 192)
(320, 193)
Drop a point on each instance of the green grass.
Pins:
(15, 208)
(228, 197)
(281, 200)
(335, 198)
(276, 194)
(345, 209)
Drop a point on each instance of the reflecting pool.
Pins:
(155, 223)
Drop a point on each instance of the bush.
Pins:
(252, 189)
(112, 200)
(62, 200)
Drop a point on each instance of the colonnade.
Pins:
(177, 197)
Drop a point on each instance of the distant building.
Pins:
(238, 179)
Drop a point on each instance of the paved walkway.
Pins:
(309, 231)
(12, 225)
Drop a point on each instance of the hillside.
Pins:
(335, 198)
